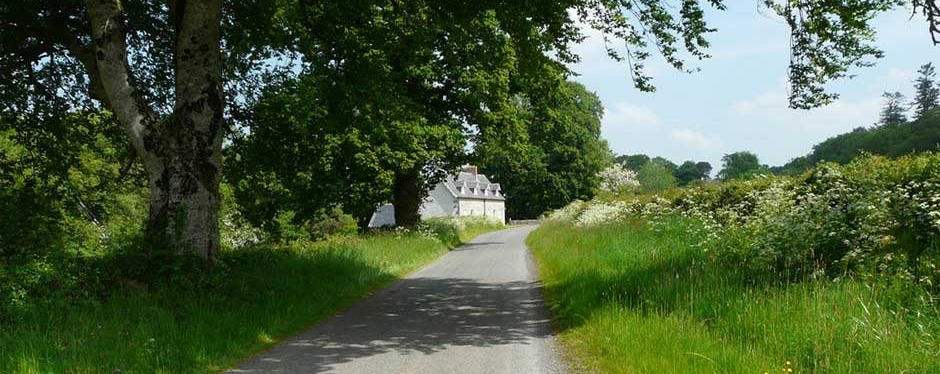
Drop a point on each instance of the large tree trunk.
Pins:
(406, 197)
(184, 190)
(182, 153)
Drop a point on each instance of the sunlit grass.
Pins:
(639, 298)
(267, 294)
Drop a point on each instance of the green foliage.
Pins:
(655, 177)
(455, 231)
(251, 299)
(827, 39)
(669, 165)
(691, 171)
(916, 136)
(893, 112)
(185, 321)
(289, 228)
(641, 295)
(926, 92)
(419, 78)
(633, 162)
(58, 185)
(683, 175)
(234, 230)
(874, 217)
(66, 201)
(740, 165)
(558, 147)
(835, 270)
(331, 224)
(343, 162)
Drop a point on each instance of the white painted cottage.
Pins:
(468, 193)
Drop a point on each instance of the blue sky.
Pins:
(738, 99)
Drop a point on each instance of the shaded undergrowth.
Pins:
(250, 300)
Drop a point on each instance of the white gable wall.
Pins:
(383, 216)
(431, 208)
(444, 199)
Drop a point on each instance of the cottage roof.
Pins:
(476, 181)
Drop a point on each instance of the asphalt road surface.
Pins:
(477, 309)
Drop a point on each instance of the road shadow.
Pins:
(472, 246)
(415, 316)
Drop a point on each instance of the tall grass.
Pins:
(640, 297)
(253, 298)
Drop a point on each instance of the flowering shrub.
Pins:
(569, 212)
(598, 213)
(617, 179)
(873, 215)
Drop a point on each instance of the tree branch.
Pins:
(931, 11)
(86, 56)
(110, 56)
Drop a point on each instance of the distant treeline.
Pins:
(657, 173)
(895, 134)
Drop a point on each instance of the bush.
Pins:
(325, 224)
(454, 231)
(234, 230)
(331, 223)
(871, 216)
(444, 230)
(286, 230)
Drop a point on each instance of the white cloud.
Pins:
(624, 115)
(739, 99)
(899, 77)
(766, 125)
(749, 50)
(695, 139)
(772, 107)
(628, 127)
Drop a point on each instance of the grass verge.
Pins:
(256, 298)
(634, 297)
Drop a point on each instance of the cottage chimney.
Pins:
(470, 169)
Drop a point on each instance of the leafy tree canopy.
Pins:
(557, 157)
(633, 162)
(691, 171)
(740, 165)
(655, 177)
(894, 135)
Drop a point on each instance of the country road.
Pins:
(477, 309)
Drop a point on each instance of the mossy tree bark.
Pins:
(181, 152)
